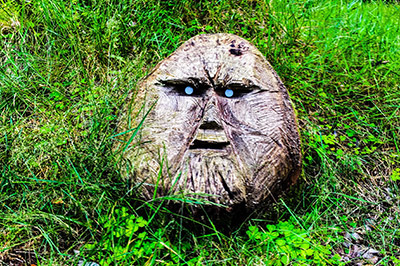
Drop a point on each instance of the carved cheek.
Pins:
(253, 124)
(177, 118)
(236, 117)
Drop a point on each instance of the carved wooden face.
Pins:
(221, 125)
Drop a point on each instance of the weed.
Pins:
(285, 243)
(121, 240)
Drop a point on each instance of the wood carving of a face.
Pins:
(220, 126)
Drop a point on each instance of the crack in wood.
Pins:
(230, 194)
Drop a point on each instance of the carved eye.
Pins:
(234, 91)
(228, 93)
(185, 89)
(189, 90)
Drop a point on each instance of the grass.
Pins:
(66, 68)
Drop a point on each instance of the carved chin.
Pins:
(207, 171)
(213, 173)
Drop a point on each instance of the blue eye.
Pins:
(189, 90)
(228, 93)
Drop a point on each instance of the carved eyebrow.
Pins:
(179, 86)
(241, 86)
(247, 85)
(187, 81)
(172, 82)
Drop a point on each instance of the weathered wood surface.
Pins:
(238, 149)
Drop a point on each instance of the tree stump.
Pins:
(218, 128)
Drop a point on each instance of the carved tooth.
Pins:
(211, 135)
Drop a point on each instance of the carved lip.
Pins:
(209, 139)
(208, 145)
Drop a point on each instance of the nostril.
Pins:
(211, 125)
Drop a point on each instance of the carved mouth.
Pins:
(208, 145)
(210, 136)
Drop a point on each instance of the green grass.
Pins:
(66, 68)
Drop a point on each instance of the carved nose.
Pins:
(213, 125)
(211, 129)
(211, 120)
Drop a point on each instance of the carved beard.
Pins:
(230, 138)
